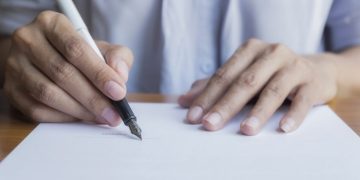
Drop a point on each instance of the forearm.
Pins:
(5, 43)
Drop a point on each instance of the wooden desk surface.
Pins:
(14, 128)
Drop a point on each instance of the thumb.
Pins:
(197, 87)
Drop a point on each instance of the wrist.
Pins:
(327, 64)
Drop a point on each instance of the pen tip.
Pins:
(140, 137)
(135, 129)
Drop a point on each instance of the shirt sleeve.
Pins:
(343, 24)
(16, 13)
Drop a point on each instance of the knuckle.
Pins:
(278, 48)
(100, 75)
(197, 83)
(21, 36)
(221, 77)
(297, 63)
(74, 48)
(35, 113)
(284, 74)
(265, 59)
(237, 54)
(302, 99)
(126, 52)
(11, 65)
(300, 64)
(252, 42)
(274, 90)
(248, 79)
(46, 17)
(61, 71)
(44, 93)
(94, 102)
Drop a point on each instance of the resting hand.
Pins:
(271, 71)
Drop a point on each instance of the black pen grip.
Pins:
(124, 110)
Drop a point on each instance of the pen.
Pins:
(122, 106)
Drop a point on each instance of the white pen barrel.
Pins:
(86, 35)
(69, 9)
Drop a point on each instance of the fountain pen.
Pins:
(129, 119)
(122, 107)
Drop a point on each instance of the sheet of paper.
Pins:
(323, 148)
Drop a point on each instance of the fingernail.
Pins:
(114, 89)
(252, 123)
(195, 114)
(122, 69)
(214, 119)
(110, 116)
(288, 125)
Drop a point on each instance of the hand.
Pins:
(53, 75)
(271, 71)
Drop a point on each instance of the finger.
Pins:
(65, 75)
(271, 98)
(46, 92)
(35, 110)
(118, 57)
(186, 99)
(76, 51)
(244, 88)
(300, 106)
(223, 78)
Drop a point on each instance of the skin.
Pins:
(44, 68)
(275, 73)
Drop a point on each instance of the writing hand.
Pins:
(53, 75)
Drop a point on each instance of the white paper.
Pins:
(323, 148)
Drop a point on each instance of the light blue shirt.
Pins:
(176, 42)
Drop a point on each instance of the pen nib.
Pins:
(135, 129)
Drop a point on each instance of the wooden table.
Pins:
(14, 127)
